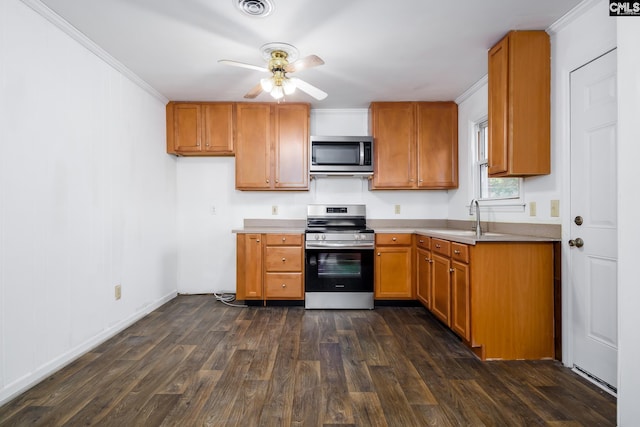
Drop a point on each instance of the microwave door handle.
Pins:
(361, 153)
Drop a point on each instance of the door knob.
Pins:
(578, 220)
(578, 242)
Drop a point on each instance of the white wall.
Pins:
(87, 199)
(206, 261)
(629, 226)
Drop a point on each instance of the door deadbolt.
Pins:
(578, 243)
(578, 220)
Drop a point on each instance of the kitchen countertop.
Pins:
(455, 231)
(467, 236)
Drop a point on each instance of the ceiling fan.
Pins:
(282, 59)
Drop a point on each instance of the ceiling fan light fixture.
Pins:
(289, 86)
(277, 92)
(267, 84)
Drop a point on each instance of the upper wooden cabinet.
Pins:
(200, 129)
(416, 145)
(272, 143)
(519, 105)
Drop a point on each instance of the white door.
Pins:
(593, 244)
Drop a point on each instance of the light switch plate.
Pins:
(555, 208)
(532, 209)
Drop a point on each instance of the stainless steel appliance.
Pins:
(338, 258)
(341, 155)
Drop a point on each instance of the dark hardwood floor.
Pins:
(197, 362)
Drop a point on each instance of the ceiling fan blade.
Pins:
(308, 88)
(243, 65)
(255, 91)
(304, 63)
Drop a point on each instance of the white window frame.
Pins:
(513, 204)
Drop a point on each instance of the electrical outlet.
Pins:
(555, 208)
(274, 210)
(118, 291)
(532, 209)
(397, 209)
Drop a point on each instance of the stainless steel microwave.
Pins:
(341, 155)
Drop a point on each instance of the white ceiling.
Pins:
(374, 50)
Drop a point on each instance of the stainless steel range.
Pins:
(338, 257)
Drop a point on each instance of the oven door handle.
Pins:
(363, 245)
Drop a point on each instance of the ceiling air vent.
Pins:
(255, 8)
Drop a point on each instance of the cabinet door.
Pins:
(423, 276)
(498, 106)
(291, 147)
(249, 266)
(460, 300)
(253, 146)
(441, 288)
(393, 272)
(217, 133)
(393, 129)
(187, 127)
(437, 144)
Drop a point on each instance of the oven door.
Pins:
(338, 270)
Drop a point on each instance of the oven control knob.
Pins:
(316, 236)
(356, 236)
(324, 237)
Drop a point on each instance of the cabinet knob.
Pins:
(457, 252)
(284, 259)
(378, 253)
(451, 270)
(426, 259)
(437, 246)
(430, 261)
(267, 181)
(421, 180)
(394, 239)
(284, 286)
(257, 240)
(284, 238)
(277, 181)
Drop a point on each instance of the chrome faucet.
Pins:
(477, 227)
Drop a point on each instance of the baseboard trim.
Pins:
(27, 381)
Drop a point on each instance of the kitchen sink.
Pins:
(464, 233)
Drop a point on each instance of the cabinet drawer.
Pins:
(440, 246)
(283, 258)
(283, 285)
(460, 252)
(393, 239)
(423, 242)
(284, 239)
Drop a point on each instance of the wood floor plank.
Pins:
(196, 362)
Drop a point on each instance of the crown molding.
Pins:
(571, 16)
(473, 89)
(85, 41)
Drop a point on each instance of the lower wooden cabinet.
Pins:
(460, 291)
(393, 267)
(269, 266)
(424, 263)
(497, 296)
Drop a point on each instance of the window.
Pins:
(491, 188)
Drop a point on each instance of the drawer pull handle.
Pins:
(457, 252)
